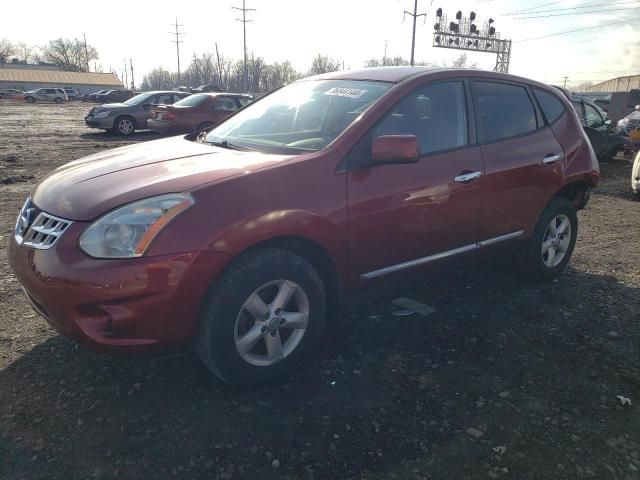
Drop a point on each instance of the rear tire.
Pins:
(124, 126)
(262, 319)
(58, 100)
(30, 99)
(548, 251)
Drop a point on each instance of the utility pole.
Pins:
(86, 53)
(133, 82)
(126, 75)
(244, 21)
(384, 57)
(415, 16)
(177, 41)
(219, 67)
(565, 82)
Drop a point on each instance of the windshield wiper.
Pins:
(226, 144)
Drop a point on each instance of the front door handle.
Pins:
(466, 177)
(552, 157)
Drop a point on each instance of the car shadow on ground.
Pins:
(386, 394)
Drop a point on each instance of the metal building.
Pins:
(30, 79)
(620, 84)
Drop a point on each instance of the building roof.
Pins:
(66, 78)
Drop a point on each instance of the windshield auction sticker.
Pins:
(346, 92)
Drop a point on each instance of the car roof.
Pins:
(162, 91)
(400, 74)
(218, 94)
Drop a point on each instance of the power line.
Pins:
(592, 5)
(605, 10)
(577, 30)
(244, 21)
(177, 41)
(533, 8)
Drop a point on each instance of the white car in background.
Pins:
(635, 176)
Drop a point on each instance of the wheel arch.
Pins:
(314, 253)
(576, 192)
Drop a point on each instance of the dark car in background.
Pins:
(597, 126)
(197, 112)
(72, 94)
(12, 93)
(127, 117)
(91, 97)
(207, 88)
(114, 96)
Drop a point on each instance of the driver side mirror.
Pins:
(395, 149)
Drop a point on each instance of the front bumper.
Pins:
(104, 123)
(140, 305)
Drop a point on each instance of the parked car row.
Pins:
(166, 112)
(108, 96)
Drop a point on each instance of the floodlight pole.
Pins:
(415, 16)
(244, 21)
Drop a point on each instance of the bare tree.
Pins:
(323, 64)
(159, 79)
(463, 62)
(582, 87)
(70, 54)
(7, 49)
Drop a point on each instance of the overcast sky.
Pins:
(348, 30)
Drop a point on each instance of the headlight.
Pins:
(102, 115)
(129, 230)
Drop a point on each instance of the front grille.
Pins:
(38, 229)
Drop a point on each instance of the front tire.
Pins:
(548, 251)
(58, 100)
(30, 99)
(262, 319)
(124, 126)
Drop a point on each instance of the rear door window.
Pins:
(225, 103)
(502, 111)
(551, 106)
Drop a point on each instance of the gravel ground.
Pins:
(507, 379)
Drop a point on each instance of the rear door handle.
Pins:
(551, 158)
(466, 177)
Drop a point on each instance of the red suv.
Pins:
(240, 240)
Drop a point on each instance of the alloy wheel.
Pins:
(125, 126)
(556, 241)
(271, 323)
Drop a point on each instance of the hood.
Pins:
(112, 106)
(86, 188)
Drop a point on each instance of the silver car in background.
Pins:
(127, 117)
(56, 95)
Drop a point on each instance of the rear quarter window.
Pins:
(551, 106)
(502, 111)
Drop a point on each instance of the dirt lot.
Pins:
(533, 368)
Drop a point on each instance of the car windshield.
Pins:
(304, 116)
(191, 100)
(138, 99)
